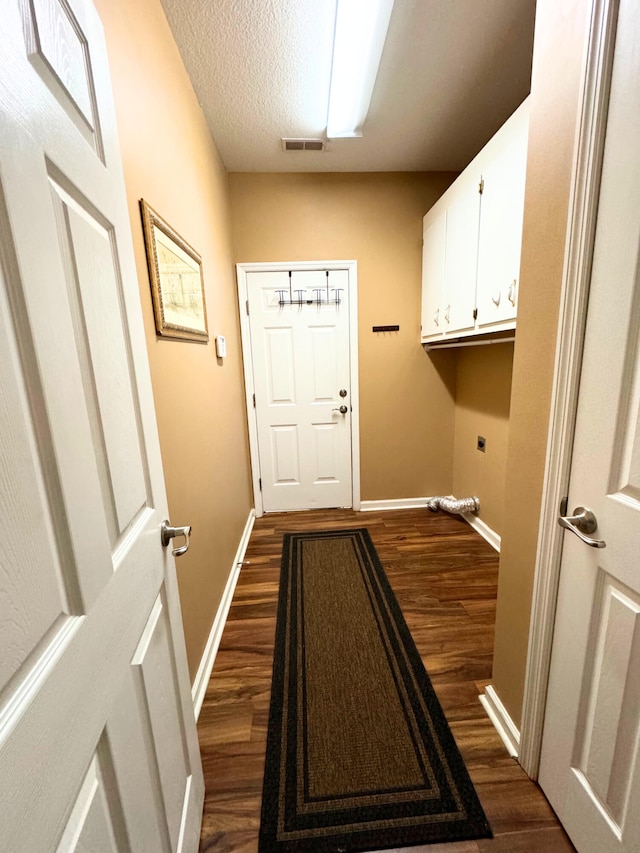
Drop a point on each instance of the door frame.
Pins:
(574, 295)
(249, 386)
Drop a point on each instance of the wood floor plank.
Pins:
(230, 723)
(445, 578)
(553, 840)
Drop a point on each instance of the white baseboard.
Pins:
(394, 503)
(483, 529)
(203, 674)
(499, 716)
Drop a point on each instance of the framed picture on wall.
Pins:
(177, 284)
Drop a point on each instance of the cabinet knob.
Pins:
(496, 298)
(436, 317)
(511, 293)
(447, 313)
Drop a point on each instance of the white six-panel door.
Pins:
(300, 357)
(590, 767)
(98, 748)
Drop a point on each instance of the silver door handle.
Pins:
(167, 533)
(343, 410)
(582, 521)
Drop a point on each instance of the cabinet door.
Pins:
(433, 266)
(461, 253)
(501, 210)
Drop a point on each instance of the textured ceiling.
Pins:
(451, 72)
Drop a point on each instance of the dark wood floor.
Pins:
(445, 577)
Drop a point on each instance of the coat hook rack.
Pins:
(322, 295)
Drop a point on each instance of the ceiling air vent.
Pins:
(303, 144)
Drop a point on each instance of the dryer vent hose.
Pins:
(453, 505)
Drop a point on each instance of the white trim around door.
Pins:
(303, 266)
(573, 303)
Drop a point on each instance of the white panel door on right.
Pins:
(300, 352)
(590, 762)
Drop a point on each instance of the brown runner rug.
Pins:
(359, 754)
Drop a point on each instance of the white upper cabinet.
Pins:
(472, 238)
(502, 206)
(433, 252)
(461, 248)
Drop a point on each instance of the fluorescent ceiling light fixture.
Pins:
(361, 29)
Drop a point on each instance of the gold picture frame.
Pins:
(177, 283)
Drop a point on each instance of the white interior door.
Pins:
(589, 767)
(98, 749)
(300, 358)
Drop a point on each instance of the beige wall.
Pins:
(406, 396)
(170, 160)
(482, 408)
(558, 48)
